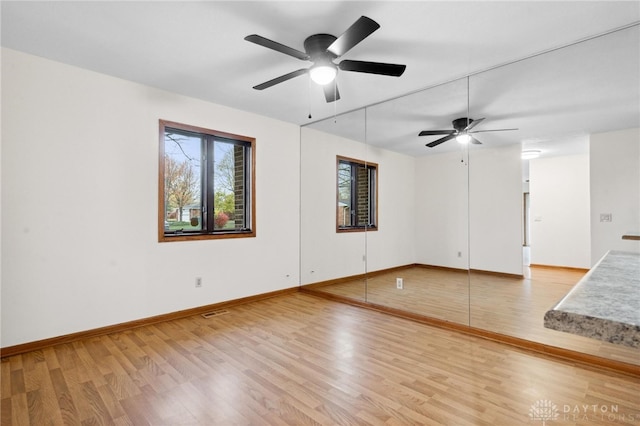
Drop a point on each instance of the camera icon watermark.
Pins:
(544, 410)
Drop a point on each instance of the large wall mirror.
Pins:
(583, 122)
(474, 234)
(330, 261)
(424, 224)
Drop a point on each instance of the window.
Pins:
(206, 184)
(357, 208)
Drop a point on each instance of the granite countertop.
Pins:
(605, 304)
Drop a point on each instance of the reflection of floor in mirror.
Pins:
(508, 305)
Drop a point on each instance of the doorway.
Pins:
(526, 229)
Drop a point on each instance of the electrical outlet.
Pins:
(399, 283)
(605, 217)
(198, 282)
(459, 254)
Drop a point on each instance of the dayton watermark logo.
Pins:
(544, 410)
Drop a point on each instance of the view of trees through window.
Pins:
(182, 176)
(205, 183)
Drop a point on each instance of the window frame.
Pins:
(373, 210)
(250, 196)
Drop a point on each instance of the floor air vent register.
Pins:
(216, 313)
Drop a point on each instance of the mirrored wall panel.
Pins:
(332, 239)
(420, 254)
(576, 111)
(455, 224)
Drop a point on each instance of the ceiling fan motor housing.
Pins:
(461, 123)
(316, 47)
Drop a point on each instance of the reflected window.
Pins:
(357, 195)
(206, 184)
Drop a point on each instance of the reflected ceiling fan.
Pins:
(322, 49)
(461, 132)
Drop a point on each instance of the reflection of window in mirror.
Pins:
(357, 198)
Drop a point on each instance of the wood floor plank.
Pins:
(111, 403)
(5, 383)
(204, 410)
(19, 410)
(36, 409)
(98, 406)
(17, 382)
(66, 406)
(75, 386)
(5, 411)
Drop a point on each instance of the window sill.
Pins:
(166, 238)
(357, 229)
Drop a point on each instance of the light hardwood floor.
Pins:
(298, 359)
(502, 304)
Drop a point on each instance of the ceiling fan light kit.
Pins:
(463, 138)
(322, 50)
(323, 74)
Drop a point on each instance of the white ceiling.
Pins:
(198, 49)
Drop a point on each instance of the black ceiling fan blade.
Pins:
(441, 140)
(331, 92)
(494, 130)
(393, 70)
(436, 132)
(357, 32)
(280, 79)
(473, 124)
(475, 141)
(278, 47)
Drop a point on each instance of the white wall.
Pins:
(79, 154)
(326, 254)
(559, 194)
(495, 209)
(441, 210)
(615, 189)
(393, 243)
(471, 207)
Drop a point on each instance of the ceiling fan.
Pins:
(322, 49)
(461, 132)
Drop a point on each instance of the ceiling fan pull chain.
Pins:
(335, 101)
(468, 115)
(309, 96)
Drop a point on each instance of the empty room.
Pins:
(320, 213)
